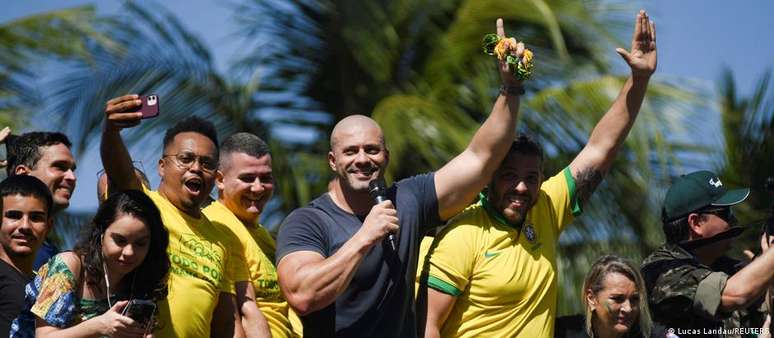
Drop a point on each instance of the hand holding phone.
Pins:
(150, 106)
(5, 134)
(141, 311)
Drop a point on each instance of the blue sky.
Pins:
(695, 40)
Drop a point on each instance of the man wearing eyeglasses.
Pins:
(692, 287)
(207, 267)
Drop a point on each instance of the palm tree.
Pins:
(27, 42)
(747, 129)
(174, 64)
(64, 36)
(416, 67)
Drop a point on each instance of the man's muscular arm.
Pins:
(311, 282)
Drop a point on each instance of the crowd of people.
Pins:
(173, 262)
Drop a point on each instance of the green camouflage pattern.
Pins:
(672, 276)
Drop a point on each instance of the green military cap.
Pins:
(697, 190)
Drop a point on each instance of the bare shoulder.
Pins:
(71, 259)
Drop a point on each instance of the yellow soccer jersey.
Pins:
(424, 248)
(205, 260)
(259, 248)
(504, 280)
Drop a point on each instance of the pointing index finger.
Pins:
(500, 29)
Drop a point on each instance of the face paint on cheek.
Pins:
(609, 304)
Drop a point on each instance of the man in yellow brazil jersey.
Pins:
(209, 289)
(245, 184)
(492, 271)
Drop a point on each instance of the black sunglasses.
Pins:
(725, 214)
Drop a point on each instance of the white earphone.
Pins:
(107, 280)
(104, 270)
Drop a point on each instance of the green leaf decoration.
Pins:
(490, 42)
(511, 60)
(522, 71)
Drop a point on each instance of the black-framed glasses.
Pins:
(724, 213)
(187, 160)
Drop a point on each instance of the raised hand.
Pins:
(642, 57)
(3, 136)
(512, 47)
(122, 112)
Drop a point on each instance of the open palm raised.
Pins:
(642, 57)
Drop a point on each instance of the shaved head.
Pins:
(358, 154)
(353, 124)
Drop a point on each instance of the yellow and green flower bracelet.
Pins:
(522, 67)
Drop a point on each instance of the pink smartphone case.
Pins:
(150, 106)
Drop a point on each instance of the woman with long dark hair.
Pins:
(121, 256)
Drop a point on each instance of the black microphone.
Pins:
(378, 191)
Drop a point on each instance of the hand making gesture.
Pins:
(642, 57)
(3, 136)
(512, 47)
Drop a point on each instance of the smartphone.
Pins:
(141, 311)
(150, 106)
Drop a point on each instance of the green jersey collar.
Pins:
(495, 214)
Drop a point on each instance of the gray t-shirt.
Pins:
(379, 301)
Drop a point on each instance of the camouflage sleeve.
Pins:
(675, 290)
(706, 301)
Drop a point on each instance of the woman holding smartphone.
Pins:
(83, 293)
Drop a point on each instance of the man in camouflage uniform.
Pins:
(692, 287)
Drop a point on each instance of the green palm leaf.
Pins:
(747, 124)
(64, 35)
(417, 68)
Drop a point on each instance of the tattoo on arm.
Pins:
(585, 184)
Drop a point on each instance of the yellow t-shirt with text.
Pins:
(205, 260)
(258, 248)
(504, 279)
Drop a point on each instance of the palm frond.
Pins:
(748, 133)
(422, 132)
(63, 35)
